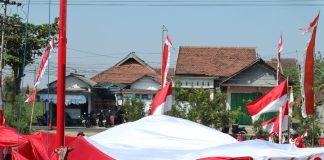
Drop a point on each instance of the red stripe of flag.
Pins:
(165, 61)
(162, 101)
(308, 107)
(269, 102)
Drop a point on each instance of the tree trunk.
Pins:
(16, 81)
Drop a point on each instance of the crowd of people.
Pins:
(295, 139)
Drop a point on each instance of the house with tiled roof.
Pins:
(79, 96)
(236, 71)
(286, 63)
(140, 79)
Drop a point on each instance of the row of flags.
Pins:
(277, 98)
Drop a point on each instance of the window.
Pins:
(186, 83)
(202, 83)
(207, 83)
(197, 83)
(144, 97)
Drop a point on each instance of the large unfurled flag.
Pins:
(272, 125)
(269, 102)
(278, 59)
(42, 68)
(307, 73)
(162, 101)
(166, 60)
(291, 102)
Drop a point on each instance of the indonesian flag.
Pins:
(304, 134)
(162, 101)
(291, 102)
(311, 25)
(272, 125)
(278, 59)
(42, 68)
(166, 60)
(269, 102)
(31, 98)
(307, 78)
(44, 62)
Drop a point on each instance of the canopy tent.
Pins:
(69, 99)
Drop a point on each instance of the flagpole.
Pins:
(280, 124)
(289, 118)
(313, 130)
(32, 113)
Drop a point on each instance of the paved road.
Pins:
(72, 130)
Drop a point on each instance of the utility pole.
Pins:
(164, 29)
(3, 24)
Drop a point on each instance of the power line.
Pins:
(202, 3)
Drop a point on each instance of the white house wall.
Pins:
(72, 82)
(146, 83)
(195, 82)
(75, 83)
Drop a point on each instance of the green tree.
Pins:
(196, 105)
(15, 38)
(134, 109)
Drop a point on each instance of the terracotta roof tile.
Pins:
(213, 61)
(129, 70)
(126, 73)
(170, 73)
(286, 63)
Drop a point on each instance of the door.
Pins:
(239, 100)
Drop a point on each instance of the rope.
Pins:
(49, 117)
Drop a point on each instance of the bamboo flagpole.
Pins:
(32, 113)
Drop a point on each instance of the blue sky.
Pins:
(105, 33)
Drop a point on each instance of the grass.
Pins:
(22, 121)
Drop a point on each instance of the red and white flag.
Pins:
(269, 102)
(166, 60)
(278, 59)
(307, 74)
(162, 101)
(42, 68)
(291, 102)
(31, 98)
(304, 134)
(311, 25)
(272, 125)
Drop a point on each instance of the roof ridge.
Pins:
(216, 47)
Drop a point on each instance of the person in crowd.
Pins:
(80, 134)
(239, 138)
(299, 142)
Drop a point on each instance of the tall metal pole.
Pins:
(61, 75)
(164, 29)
